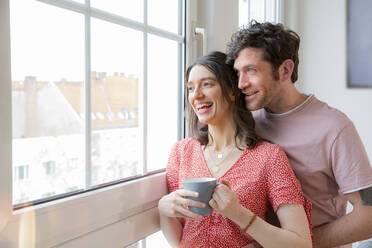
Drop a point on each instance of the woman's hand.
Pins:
(226, 202)
(172, 205)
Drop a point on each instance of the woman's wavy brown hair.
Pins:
(228, 81)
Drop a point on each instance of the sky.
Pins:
(49, 42)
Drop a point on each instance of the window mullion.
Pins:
(6, 117)
(278, 10)
(180, 118)
(143, 130)
(87, 105)
(249, 10)
(70, 5)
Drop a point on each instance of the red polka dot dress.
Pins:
(260, 177)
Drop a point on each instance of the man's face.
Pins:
(256, 79)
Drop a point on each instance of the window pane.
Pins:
(116, 74)
(154, 240)
(163, 14)
(162, 100)
(243, 12)
(257, 10)
(271, 10)
(47, 82)
(132, 9)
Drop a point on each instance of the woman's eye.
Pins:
(251, 70)
(207, 83)
(190, 88)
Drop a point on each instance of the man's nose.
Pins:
(243, 81)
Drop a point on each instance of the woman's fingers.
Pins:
(223, 197)
(190, 202)
(186, 192)
(217, 196)
(213, 204)
(185, 213)
(183, 193)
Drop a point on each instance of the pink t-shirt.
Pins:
(325, 152)
(260, 177)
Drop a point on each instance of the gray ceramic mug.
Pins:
(205, 187)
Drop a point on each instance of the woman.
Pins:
(224, 146)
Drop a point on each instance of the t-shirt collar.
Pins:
(295, 109)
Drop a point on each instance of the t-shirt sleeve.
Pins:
(350, 163)
(172, 170)
(282, 184)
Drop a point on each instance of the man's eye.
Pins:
(251, 69)
(207, 83)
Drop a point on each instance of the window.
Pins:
(63, 83)
(97, 87)
(21, 172)
(259, 10)
(50, 168)
(154, 240)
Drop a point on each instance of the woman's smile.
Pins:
(203, 108)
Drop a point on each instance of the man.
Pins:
(322, 144)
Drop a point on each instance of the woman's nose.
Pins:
(198, 92)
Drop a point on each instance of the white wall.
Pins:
(220, 18)
(322, 28)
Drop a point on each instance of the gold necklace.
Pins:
(221, 157)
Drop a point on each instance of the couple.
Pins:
(322, 145)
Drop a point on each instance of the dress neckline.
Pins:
(205, 165)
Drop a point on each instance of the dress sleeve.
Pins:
(282, 184)
(172, 170)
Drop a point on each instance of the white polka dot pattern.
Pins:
(260, 177)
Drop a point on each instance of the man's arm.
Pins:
(355, 226)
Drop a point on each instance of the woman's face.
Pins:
(205, 96)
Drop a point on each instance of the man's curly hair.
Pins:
(276, 42)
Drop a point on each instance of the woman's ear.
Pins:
(286, 70)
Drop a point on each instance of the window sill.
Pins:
(58, 222)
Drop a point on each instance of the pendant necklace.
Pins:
(221, 157)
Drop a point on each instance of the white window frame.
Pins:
(277, 14)
(113, 216)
